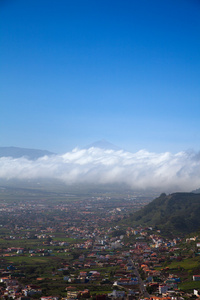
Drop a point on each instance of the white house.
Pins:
(196, 277)
(163, 289)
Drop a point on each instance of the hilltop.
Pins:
(177, 212)
(103, 144)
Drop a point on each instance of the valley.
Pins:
(68, 246)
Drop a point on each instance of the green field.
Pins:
(187, 264)
(189, 285)
(28, 260)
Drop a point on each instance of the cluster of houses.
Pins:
(146, 254)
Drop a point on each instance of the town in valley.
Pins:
(73, 246)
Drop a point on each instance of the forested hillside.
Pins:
(178, 212)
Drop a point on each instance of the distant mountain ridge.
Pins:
(177, 212)
(32, 154)
(17, 152)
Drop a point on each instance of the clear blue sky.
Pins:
(73, 72)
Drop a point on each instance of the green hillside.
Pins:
(178, 212)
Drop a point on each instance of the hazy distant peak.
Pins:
(103, 144)
(17, 152)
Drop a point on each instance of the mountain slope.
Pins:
(178, 212)
(17, 152)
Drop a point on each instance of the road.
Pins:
(140, 281)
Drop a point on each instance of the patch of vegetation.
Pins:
(177, 213)
(187, 264)
(189, 285)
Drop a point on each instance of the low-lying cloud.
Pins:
(141, 170)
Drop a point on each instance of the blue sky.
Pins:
(73, 72)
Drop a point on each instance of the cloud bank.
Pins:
(140, 170)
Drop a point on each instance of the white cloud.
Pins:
(142, 169)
